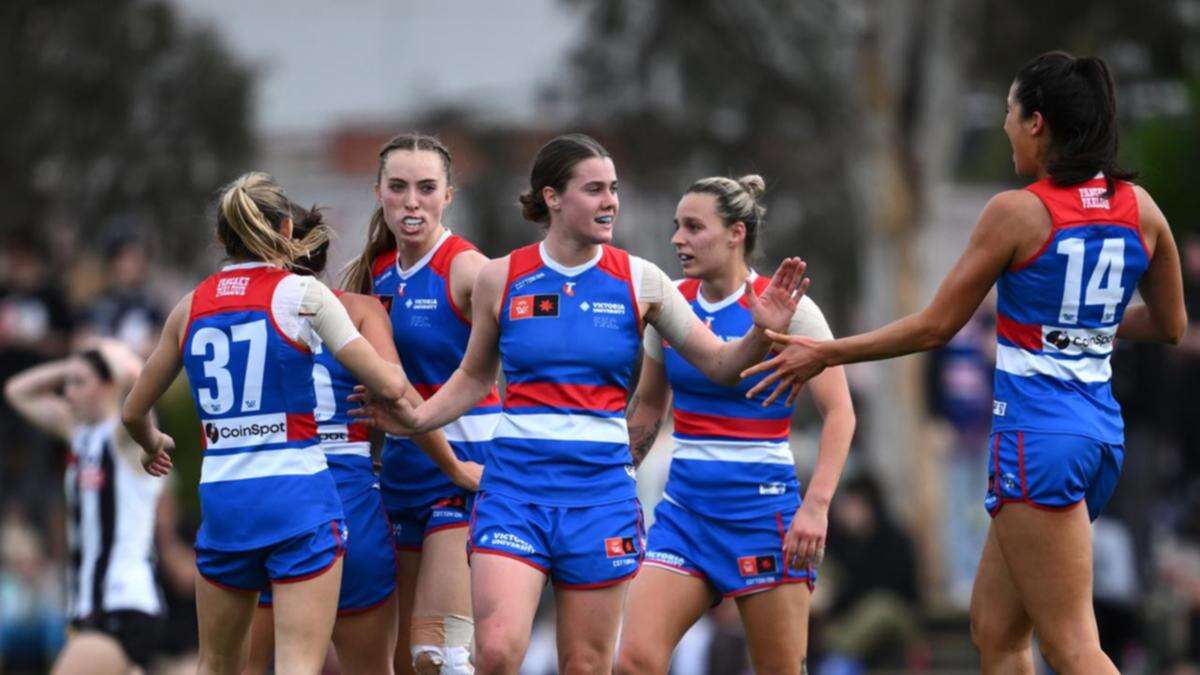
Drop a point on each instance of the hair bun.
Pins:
(753, 184)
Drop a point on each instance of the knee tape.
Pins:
(441, 645)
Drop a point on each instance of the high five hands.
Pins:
(797, 359)
(773, 309)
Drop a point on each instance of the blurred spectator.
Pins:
(31, 622)
(1178, 558)
(126, 310)
(34, 317)
(35, 323)
(960, 393)
(1185, 370)
(870, 565)
(1117, 591)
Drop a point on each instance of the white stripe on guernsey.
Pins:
(733, 451)
(552, 427)
(1017, 361)
(357, 448)
(263, 464)
(472, 428)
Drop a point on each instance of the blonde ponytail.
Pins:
(251, 211)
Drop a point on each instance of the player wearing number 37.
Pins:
(1066, 255)
(271, 515)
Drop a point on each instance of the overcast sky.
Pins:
(323, 62)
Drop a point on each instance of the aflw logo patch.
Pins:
(232, 286)
(753, 565)
(616, 547)
(529, 306)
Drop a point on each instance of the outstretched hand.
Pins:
(157, 460)
(774, 308)
(797, 362)
(396, 417)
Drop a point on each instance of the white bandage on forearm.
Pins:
(328, 318)
(674, 318)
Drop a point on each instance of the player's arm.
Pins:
(650, 400)
(991, 249)
(473, 379)
(722, 361)
(332, 323)
(464, 270)
(159, 372)
(33, 394)
(476, 375)
(376, 329)
(1162, 317)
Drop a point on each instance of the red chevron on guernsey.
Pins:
(1024, 335)
(609, 398)
(697, 424)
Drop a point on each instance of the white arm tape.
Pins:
(809, 321)
(652, 344)
(674, 318)
(327, 316)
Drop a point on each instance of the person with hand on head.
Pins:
(115, 608)
(731, 522)
(564, 318)
(271, 513)
(1066, 255)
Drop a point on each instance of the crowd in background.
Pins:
(870, 609)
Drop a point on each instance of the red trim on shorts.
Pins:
(505, 554)
(675, 568)
(782, 537)
(600, 584)
(758, 588)
(311, 575)
(996, 475)
(1030, 502)
(439, 528)
(338, 551)
(363, 610)
(227, 587)
(1021, 464)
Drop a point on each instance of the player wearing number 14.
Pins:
(1066, 255)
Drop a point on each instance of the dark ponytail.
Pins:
(1078, 100)
(305, 221)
